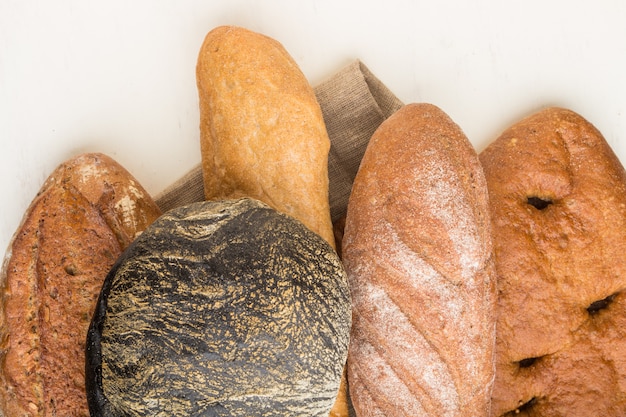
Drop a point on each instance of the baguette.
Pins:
(263, 134)
(86, 213)
(417, 250)
(262, 131)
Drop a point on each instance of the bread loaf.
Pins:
(225, 308)
(417, 250)
(262, 132)
(86, 213)
(558, 204)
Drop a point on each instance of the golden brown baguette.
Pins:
(417, 249)
(86, 213)
(558, 203)
(263, 133)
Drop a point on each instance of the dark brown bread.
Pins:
(558, 204)
(417, 249)
(85, 214)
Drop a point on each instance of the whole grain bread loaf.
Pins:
(88, 210)
(558, 203)
(417, 250)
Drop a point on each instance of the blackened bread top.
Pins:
(221, 308)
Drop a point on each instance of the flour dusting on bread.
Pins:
(417, 250)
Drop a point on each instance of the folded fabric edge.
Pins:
(354, 103)
(387, 102)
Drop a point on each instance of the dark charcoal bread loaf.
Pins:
(223, 309)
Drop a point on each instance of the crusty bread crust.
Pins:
(417, 249)
(85, 214)
(220, 308)
(558, 203)
(262, 131)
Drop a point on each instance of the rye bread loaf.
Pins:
(558, 204)
(417, 250)
(86, 213)
(262, 131)
(220, 308)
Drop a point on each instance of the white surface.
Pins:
(117, 76)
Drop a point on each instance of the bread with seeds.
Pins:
(88, 210)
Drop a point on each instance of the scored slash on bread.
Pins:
(88, 210)
(417, 250)
(558, 204)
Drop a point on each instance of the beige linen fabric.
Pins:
(354, 103)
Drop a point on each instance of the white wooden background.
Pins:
(117, 76)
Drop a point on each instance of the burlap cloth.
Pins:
(354, 103)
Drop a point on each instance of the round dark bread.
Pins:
(220, 309)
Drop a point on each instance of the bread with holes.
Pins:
(558, 204)
(88, 210)
(417, 250)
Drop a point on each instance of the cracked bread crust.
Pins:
(262, 130)
(222, 308)
(87, 211)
